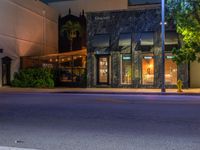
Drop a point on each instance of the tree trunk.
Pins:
(71, 45)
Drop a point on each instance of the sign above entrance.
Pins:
(170, 57)
(126, 57)
(102, 18)
(147, 57)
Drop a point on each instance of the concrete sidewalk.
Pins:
(100, 91)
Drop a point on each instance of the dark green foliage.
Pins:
(186, 14)
(83, 79)
(34, 77)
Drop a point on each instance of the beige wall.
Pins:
(89, 6)
(195, 75)
(28, 27)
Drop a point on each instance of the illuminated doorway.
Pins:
(103, 70)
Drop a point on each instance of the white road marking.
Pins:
(14, 148)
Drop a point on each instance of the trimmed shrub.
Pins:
(34, 77)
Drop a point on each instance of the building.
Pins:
(123, 43)
(28, 28)
(124, 50)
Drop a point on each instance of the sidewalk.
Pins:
(100, 91)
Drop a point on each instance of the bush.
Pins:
(34, 77)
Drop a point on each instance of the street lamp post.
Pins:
(163, 45)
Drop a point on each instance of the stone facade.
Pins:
(135, 22)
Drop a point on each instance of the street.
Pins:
(59, 121)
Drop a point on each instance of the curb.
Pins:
(129, 93)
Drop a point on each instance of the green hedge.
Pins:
(34, 77)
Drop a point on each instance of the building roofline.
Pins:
(135, 7)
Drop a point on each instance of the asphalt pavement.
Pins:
(47, 121)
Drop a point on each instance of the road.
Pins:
(99, 122)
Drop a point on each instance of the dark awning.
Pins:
(171, 38)
(146, 39)
(103, 50)
(125, 39)
(102, 40)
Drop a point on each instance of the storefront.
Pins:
(70, 67)
(124, 50)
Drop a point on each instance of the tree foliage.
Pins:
(186, 14)
(70, 28)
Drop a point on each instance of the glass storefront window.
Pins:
(126, 69)
(66, 75)
(170, 71)
(148, 70)
(79, 61)
(65, 62)
(72, 68)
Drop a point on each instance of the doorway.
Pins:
(6, 64)
(103, 69)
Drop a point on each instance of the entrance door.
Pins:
(6, 62)
(103, 70)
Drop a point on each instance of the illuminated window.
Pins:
(148, 70)
(72, 68)
(170, 71)
(126, 71)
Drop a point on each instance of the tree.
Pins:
(186, 14)
(71, 28)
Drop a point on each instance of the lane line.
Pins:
(14, 148)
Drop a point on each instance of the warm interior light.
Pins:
(150, 66)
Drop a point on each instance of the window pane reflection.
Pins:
(72, 68)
